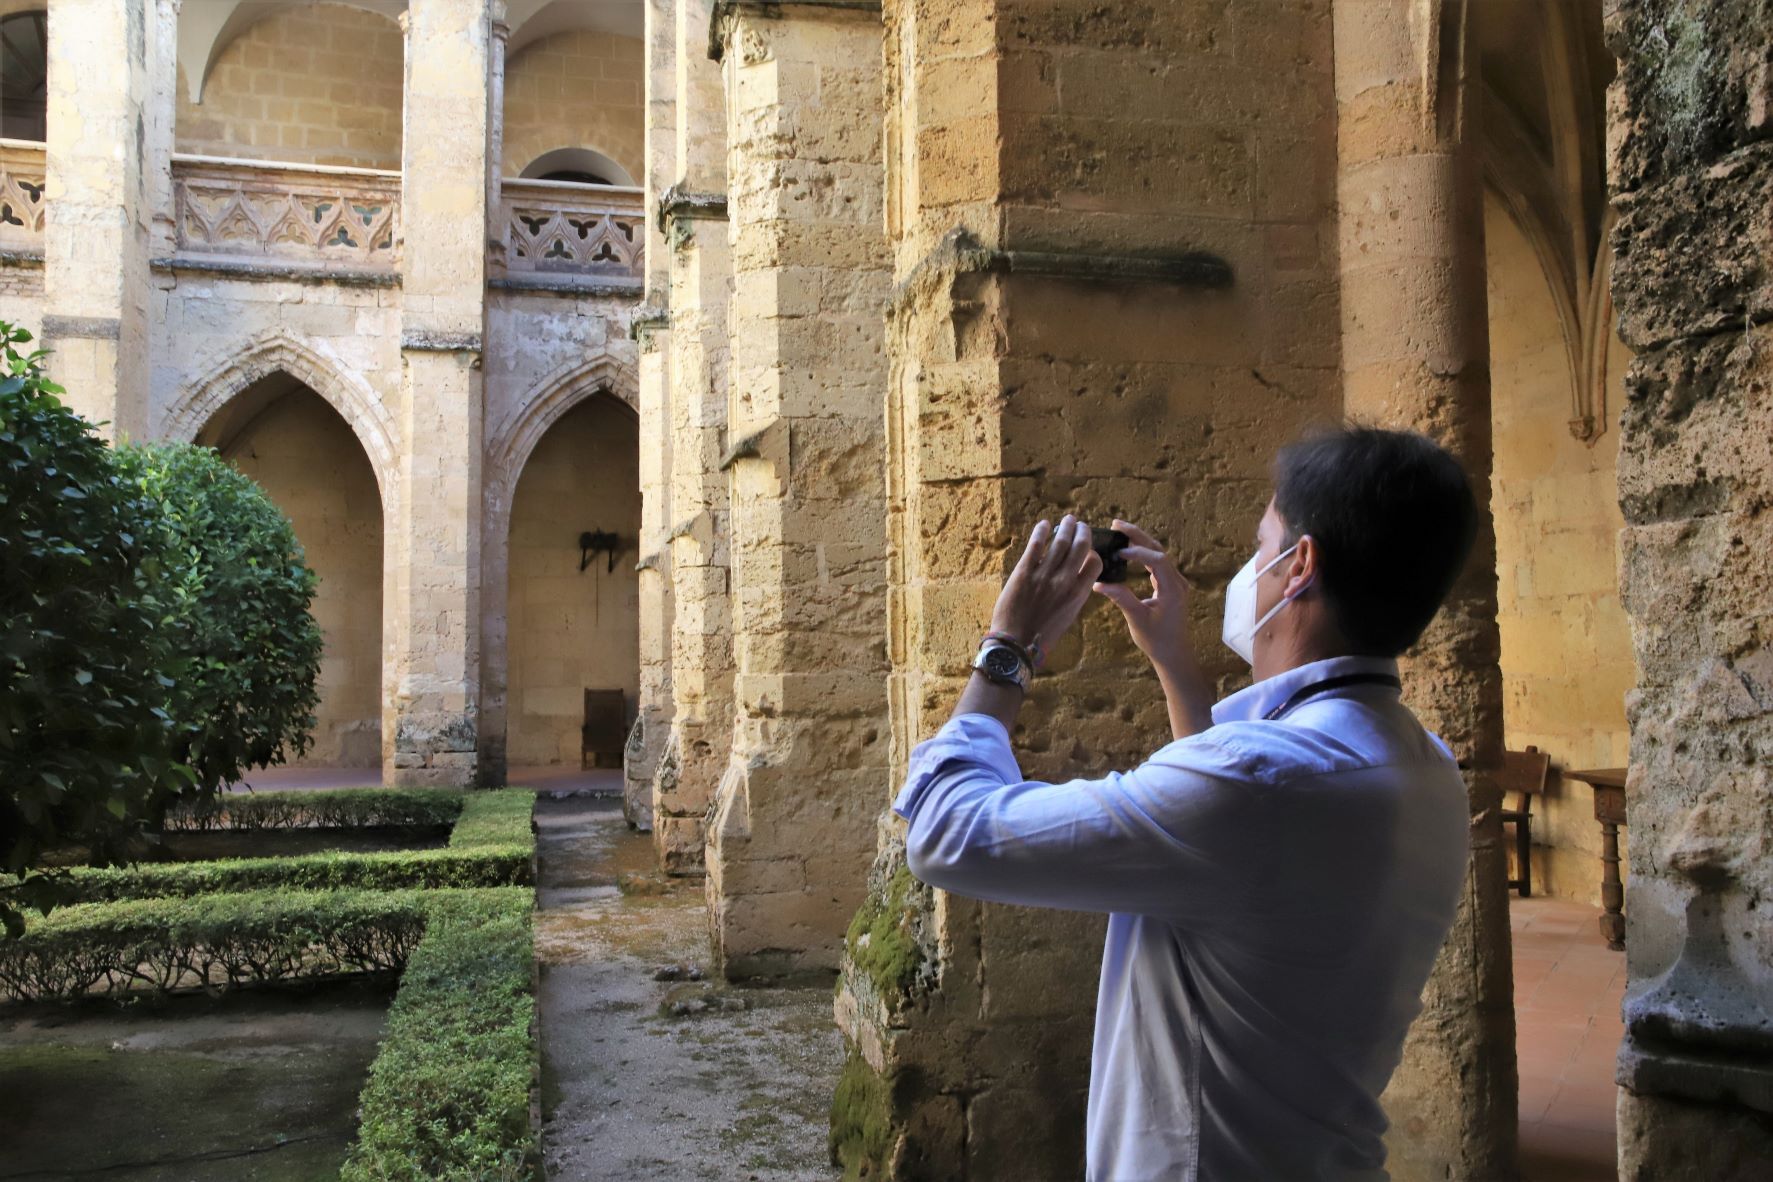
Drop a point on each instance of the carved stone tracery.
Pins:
(287, 212)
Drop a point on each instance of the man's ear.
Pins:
(1302, 568)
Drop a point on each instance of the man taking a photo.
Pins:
(1279, 878)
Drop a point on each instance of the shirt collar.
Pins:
(1254, 702)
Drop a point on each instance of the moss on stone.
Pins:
(861, 1121)
(882, 940)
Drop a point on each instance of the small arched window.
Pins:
(24, 75)
(579, 166)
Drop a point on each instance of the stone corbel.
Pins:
(719, 23)
(1588, 414)
(959, 253)
(762, 444)
(1438, 30)
(681, 208)
(646, 324)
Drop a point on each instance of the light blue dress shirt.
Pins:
(1277, 892)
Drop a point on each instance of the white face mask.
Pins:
(1241, 624)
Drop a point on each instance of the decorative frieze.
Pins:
(21, 195)
(563, 228)
(284, 211)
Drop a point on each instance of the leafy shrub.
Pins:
(85, 736)
(238, 591)
(344, 808)
(492, 846)
(448, 1094)
(392, 870)
(218, 941)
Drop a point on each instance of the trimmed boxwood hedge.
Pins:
(492, 845)
(339, 808)
(448, 1096)
(217, 941)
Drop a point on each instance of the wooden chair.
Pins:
(1523, 773)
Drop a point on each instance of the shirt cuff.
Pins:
(976, 741)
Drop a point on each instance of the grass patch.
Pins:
(448, 1095)
(492, 845)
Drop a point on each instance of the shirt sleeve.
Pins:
(1161, 840)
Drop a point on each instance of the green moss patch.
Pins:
(882, 939)
(862, 1132)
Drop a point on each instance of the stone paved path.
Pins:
(648, 1080)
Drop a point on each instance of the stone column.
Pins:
(1415, 352)
(692, 213)
(98, 214)
(701, 641)
(794, 822)
(431, 732)
(1116, 292)
(1691, 172)
(651, 329)
(652, 722)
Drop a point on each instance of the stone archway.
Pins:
(511, 444)
(360, 407)
(292, 441)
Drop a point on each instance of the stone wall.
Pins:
(312, 467)
(571, 630)
(794, 820)
(576, 90)
(1116, 291)
(1691, 169)
(1566, 648)
(311, 84)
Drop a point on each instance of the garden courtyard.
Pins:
(434, 986)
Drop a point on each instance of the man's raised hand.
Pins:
(1050, 584)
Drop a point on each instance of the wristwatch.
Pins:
(1003, 664)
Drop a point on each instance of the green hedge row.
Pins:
(216, 941)
(342, 808)
(448, 1096)
(492, 845)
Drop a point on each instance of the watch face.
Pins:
(1002, 663)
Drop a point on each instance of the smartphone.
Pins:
(1108, 543)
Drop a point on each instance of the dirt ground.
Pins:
(255, 1087)
(650, 1075)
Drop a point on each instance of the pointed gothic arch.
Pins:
(359, 405)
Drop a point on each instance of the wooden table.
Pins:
(1609, 809)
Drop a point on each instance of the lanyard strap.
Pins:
(1328, 684)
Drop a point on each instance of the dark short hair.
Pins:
(1393, 518)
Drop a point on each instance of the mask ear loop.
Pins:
(1285, 599)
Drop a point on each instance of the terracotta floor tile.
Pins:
(1568, 986)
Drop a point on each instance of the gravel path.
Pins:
(649, 1073)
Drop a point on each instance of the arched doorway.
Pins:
(24, 75)
(294, 444)
(572, 614)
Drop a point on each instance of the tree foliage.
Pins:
(85, 733)
(239, 589)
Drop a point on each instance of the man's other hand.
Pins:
(1050, 584)
(1159, 624)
